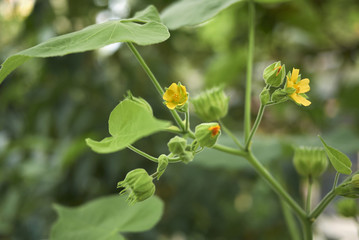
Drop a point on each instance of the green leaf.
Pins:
(193, 12)
(144, 28)
(105, 218)
(271, 1)
(339, 160)
(128, 122)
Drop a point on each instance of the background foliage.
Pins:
(49, 107)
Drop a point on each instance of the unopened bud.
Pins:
(310, 161)
(279, 96)
(211, 105)
(186, 156)
(274, 74)
(349, 189)
(264, 96)
(207, 134)
(138, 184)
(177, 145)
(162, 165)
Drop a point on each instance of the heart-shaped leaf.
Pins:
(144, 28)
(339, 160)
(128, 122)
(106, 218)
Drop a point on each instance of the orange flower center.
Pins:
(279, 68)
(214, 130)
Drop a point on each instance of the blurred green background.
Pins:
(49, 106)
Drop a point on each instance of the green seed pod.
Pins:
(142, 102)
(347, 207)
(162, 165)
(211, 105)
(309, 161)
(349, 189)
(264, 96)
(207, 134)
(177, 145)
(138, 184)
(274, 74)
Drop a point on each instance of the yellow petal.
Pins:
(173, 87)
(171, 105)
(300, 99)
(168, 95)
(289, 83)
(183, 90)
(303, 86)
(295, 74)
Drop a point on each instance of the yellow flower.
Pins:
(300, 87)
(175, 95)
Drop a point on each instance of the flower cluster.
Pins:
(294, 88)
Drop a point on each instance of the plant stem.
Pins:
(308, 229)
(187, 120)
(336, 180)
(275, 185)
(146, 68)
(149, 157)
(152, 77)
(326, 200)
(229, 133)
(322, 205)
(292, 227)
(309, 193)
(255, 126)
(143, 154)
(247, 106)
(230, 150)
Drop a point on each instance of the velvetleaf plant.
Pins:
(126, 124)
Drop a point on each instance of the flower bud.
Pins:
(274, 74)
(211, 105)
(177, 145)
(142, 102)
(349, 189)
(264, 96)
(186, 156)
(279, 96)
(207, 134)
(347, 207)
(162, 165)
(138, 184)
(310, 161)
